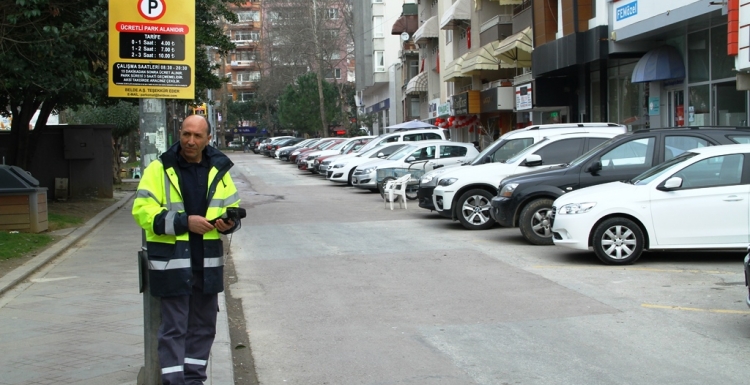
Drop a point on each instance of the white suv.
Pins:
(464, 193)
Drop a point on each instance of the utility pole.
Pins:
(319, 64)
(153, 116)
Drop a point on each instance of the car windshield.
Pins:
(528, 150)
(402, 153)
(372, 143)
(502, 149)
(587, 155)
(654, 172)
(338, 145)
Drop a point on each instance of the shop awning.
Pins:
(481, 59)
(452, 71)
(660, 63)
(458, 12)
(428, 30)
(406, 23)
(417, 84)
(515, 50)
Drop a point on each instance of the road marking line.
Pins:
(721, 311)
(650, 269)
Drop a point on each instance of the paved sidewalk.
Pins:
(73, 314)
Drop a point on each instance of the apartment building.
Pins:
(378, 65)
(485, 67)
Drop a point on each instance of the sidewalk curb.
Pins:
(22, 272)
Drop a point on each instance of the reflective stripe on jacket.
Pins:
(159, 209)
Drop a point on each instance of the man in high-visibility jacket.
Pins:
(180, 201)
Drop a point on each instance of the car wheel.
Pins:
(473, 209)
(535, 222)
(618, 241)
(349, 178)
(412, 191)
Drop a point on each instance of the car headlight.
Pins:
(508, 189)
(338, 165)
(431, 176)
(369, 170)
(447, 181)
(576, 208)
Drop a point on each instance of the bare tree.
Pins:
(302, 36)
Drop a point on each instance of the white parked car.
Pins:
(697, 200)
(341, 171)
(424, 155)
(464, 193)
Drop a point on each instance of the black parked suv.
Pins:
(525, 200)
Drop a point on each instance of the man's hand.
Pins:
(222, 225)
(199, 225)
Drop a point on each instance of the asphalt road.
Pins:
(337, 289)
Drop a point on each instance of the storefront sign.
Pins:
(432, 108)
(382, 105)
(498, 99)
(653, 105)
(444, 109)
(523, 97)
(627, 10)
(489, 100)
(466, 103)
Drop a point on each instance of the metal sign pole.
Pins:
(153, 117)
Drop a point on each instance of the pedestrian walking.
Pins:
(180, 202)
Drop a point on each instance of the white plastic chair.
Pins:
(395, 189)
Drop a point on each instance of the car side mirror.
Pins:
(533, 160)
(670, 184)
(487, 159)
(410, 159)
(381, 155)
(595, 167)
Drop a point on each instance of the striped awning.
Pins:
(417, 84)
(458, 12)
(481, 59)
(515, 50)
(428, 30)
(452, 71)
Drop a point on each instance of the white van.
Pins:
(405, 136)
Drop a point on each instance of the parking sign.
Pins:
(152, 49)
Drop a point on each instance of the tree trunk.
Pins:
(116, 163)
(18, 152)
(132, 138)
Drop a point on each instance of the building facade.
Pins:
(484, 67)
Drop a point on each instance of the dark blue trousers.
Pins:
(186, 333)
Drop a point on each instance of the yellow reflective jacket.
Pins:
(159, 209)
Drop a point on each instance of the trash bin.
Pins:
(23, 204)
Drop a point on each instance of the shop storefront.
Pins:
(496, 116)
(686, 80)
(530, 111)
(380, 112)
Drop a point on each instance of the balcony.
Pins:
(243, 64)
(239, 85)
(245, 43)
(246, 24)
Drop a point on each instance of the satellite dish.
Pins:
(405, 36)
